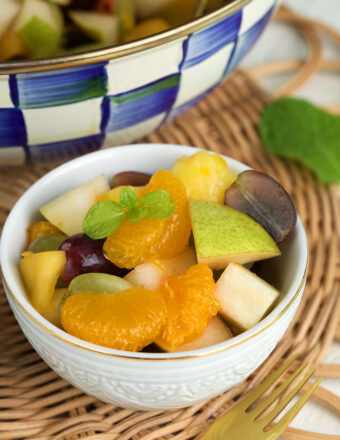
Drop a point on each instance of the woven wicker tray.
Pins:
(37, 404)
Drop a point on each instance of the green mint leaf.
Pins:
(134, 215)
(296, 129)
(103, 219)
(157, 206)
(128, 198)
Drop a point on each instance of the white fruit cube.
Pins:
(244, 297)
(216, 332)
(181, 262)
(68, 211)
(147, 275)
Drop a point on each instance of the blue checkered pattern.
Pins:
(68, 112)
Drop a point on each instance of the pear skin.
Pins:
(223, 235)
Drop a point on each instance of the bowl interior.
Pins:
(286, 272)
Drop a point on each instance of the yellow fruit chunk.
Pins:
(40, 273)
(114, 194)
(147, 28)
(205, 175)
(51, 312)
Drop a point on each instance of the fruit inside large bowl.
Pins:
(190, 260)
(67, 89)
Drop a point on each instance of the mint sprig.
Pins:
(106, 217)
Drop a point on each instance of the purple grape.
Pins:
(84, 255)
(265, 200)
(133, 178)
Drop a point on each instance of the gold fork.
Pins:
(240, 422)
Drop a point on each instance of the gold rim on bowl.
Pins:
(159, 359)
(109, 53)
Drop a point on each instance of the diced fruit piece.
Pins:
(45, 243)
(265, 200)
(11, 46)
(68, 211)
(98, 282)
(147, 275)
(125, 10)
(130, 178)
(84, 255)
(103, 28)
(215, 333)
(244, 297)
(174, 11)
(205, 175)
(181, 262)
(223, 235)
(40, 25)
(104, 6)
(151, 275)
(191, 303)
(128, 320)
(114, 194)
(52, 310)
(40, 273)
(146, 28)
(39, 229)
(148, 8)
(136, 243)
(212, 5)
(9, 10)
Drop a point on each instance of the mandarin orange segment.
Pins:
(136, 243)
(127, 320)
(38, 229)
(191, 303)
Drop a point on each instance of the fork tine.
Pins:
(276, 430)
(259, 391)
(284, 402)
(274, 395)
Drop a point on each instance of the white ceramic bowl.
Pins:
(144, 380)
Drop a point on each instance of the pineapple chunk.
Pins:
(40, 273)
(205, 175)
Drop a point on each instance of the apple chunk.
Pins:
(244, 297)
(68, 211)
(147, 275)
(216, 332)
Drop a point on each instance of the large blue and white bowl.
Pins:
(66, 106)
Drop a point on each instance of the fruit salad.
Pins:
(31, 29)
(159, 262)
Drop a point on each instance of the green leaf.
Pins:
(157, 206)
(134, 215)
(103, 219)
(297, 129)
(128, 198)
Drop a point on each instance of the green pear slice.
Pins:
(216, 332)
(223, 235)
(68, 211)
(104, 28)
(98, 282)
(40, 25)
(9, 9)
(244, 297)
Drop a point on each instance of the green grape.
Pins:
(46, 243)
(98, 282)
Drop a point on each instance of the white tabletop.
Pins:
(322, 89)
